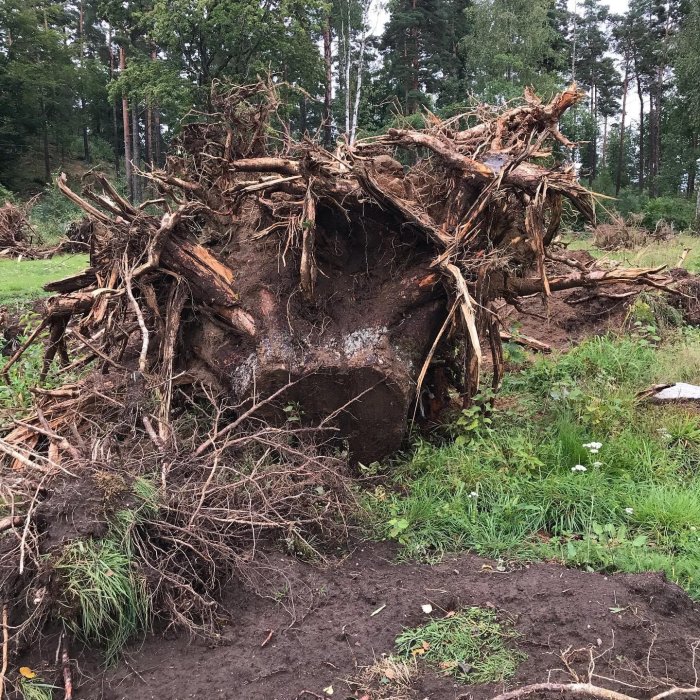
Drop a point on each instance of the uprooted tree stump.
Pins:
(14, 230)
(266, 279)
(361, 284)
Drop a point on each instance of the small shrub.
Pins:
(618, 234)
(53, 212)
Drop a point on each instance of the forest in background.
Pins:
(108, 82)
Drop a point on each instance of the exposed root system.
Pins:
(270, 284)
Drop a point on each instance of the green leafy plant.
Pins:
(528, 484)
(105, 599)
(472, 645)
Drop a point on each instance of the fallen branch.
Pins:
(587, 689)
(526, 341)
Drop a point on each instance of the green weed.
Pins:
(105, 599)
(471, 645)
(16, 398)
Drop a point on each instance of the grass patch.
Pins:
(649, 255)
(530, 482)
(35, 689)
(472, 645)
(105, 600)
(22, 280)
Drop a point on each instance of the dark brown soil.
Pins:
(323, 631)
(561, 323)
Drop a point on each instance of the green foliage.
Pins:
(508, 46)
(52, 214)
(678, 211)
(472, 645)
(16, 398)
(6, 195)
(535, 483)
(104, 600)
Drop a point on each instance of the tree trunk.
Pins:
(693, 166)
(136, 149)
(621, 147)
(655, 135)
(148, 134)
(86, 140)
(604, 150)
(115, 128)
(157, 137)
(127, 130)
(328, 88)
(415, 68)
(81, 44)
(358, 81)
(593, 143)
(45, 139)
(303, 127)
(640, 94)
(347, 48)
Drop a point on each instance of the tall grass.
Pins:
(105, 599)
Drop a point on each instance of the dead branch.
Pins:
(587, 689)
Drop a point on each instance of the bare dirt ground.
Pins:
(321, 630)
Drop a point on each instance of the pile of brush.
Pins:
(15, 232)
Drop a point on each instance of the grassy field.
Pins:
(570, 467)
(663, 253)
(22, 280)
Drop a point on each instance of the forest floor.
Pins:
(493, 552)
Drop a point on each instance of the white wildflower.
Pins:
(578, 468)
(593, 447)
(597, 464)
(629, 511)
(473, 494)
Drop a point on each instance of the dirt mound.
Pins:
(688, 302)
(319, 631)
(569, 316)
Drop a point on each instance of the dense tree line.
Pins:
(106, 80)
